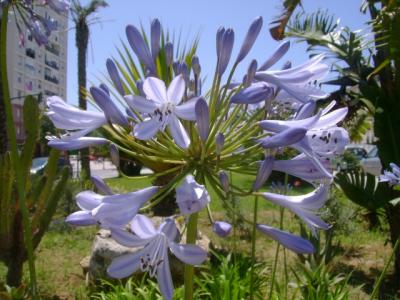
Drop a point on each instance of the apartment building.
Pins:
(34, 70)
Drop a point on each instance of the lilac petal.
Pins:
(331, 118)
(155, 90)
(155, 38)
(124, 265)
(88, 200)
(219, 37)
(101, 185)
(114, 75)
(222, 229)
(285, 138)
(79, 143)
(281, 51)
(105, 88)
(178, 132)
(164, 277)
(108, 107)
(114, 154)
(168, 227)
(147, 129)
(202, 118)
(250, 38)
(140, 196)
(140, 48)
(312, 220)
(189, 254)
(279, 125)
(219, 142)
(251, 71)
(141, 104)
(395, 169)
(143, 227)
(308, 65)
(224, 180)
(288, 240)
(127, 239)
(306, 110)
(196, 65)
(81, 218)
(263, 173)
(176, 90)
(186, 110)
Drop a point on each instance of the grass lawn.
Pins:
(360, 251)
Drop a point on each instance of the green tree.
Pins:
(82, 17)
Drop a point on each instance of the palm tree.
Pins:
(81, 17)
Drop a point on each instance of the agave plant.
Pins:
(194, 140)
(42, 196)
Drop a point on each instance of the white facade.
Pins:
(34, 70)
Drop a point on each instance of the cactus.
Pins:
(42, 196)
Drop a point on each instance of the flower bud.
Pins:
(140, 48)
(177, 67)
(263, 173)
(285, 138)
(202, 118)
(155, 38)
(219, 143)
(184, 70)
(281, 51)
(191, 197)
(169, 53)
(114, 75)
(222, 229)
(251, 71)
(255, 93)
(225, 51)
(139, 86)
(196, 65)
(250, 38)
(224, 180)
(114, 154)
(220, 35)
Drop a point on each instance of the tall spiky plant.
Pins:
(82, 16)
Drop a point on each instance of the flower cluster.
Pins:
(391, 177)
(198, 140)
(39, 27)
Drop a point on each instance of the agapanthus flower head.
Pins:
(153, 257)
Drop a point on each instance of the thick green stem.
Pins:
(14, 152)
(191, 235)
(379, 282)
(253, 248)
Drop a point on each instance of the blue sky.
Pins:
(191, 17)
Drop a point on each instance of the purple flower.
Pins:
(286, 137)
(306, 110)
(224, 180)
(163, 107)
(114, 75)
(222, 229)
(153, 257)
(114, 210)
(250, 38)
(251, 72)
(288, 240)
(169, 53)
(219, 143)
(295, 81)
(304, 206)
(191, 197)
(101, 185)
(77, 122)
(392, 178)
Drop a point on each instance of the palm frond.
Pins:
(277, 27)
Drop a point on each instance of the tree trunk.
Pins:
(17, 253)
(82, 36)
(393, 215)
(3, 125)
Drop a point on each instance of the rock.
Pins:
(105, 249)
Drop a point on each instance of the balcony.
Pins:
(51, 63)
(53, 49)
(52, 79)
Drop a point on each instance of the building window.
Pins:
(30, 53)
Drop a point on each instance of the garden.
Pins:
(240, 178)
